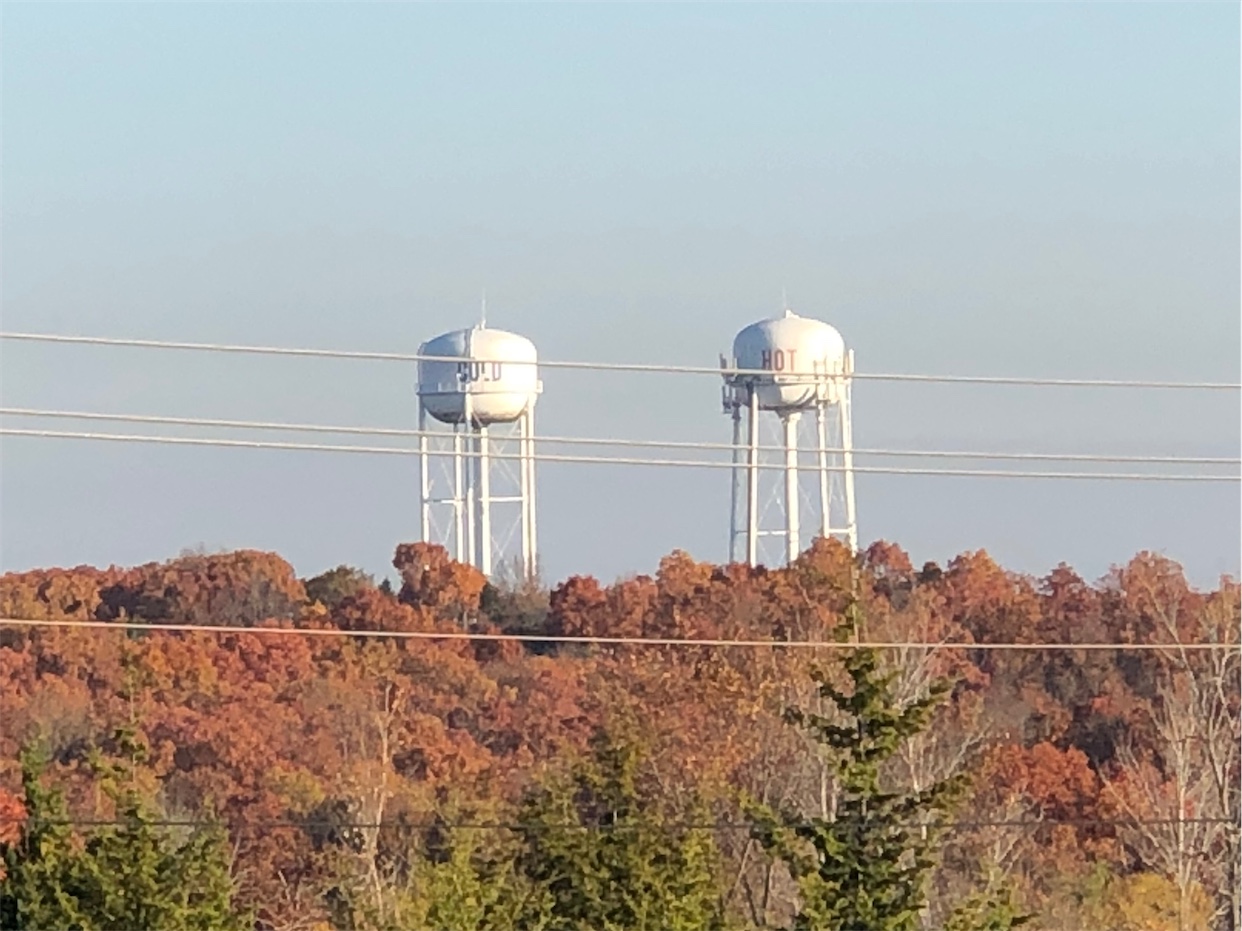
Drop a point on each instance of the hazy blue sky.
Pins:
(1048, 190)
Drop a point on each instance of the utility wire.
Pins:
(310, 822)
(606, 460)
(715, 643)
(615, 366)
(604, 441)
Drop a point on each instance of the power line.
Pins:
(715, 643)
(612, 366)
(321, 822)
(287, 426)
(606, 460)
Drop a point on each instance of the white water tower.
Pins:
(472, 381)
(788, 366)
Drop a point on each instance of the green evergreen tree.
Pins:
(867, 867)
(624, 863)
(472, 883)
(334, 586)
(459, 874)
(129, 875)
(992, 909)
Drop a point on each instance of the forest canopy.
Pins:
(311, 781)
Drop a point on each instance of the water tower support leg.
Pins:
(485, 502)
(472, 483)
(471, 504)
(847, 454)
(532, 565)
(735, 480)
(752, 481)
(524, 489)
(793, 545)
(424, 489)
(459, 512)
(821, 425)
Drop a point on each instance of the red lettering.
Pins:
(767, 359)
(780, 360)
(791, 359)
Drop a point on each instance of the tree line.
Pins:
(246, 779)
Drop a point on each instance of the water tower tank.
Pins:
(496, 378)
(794, 350)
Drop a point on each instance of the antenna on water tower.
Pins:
(790, 365)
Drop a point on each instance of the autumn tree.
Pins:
(431, 579)
(1146, 901)
(236, 588)
(1180, 794)
(55, 593)
(1038, 825)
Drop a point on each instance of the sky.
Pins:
(1045, 190)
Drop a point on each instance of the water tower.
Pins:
(477, 487)
(789, 366)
